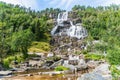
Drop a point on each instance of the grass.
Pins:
(9, 60)
(94, 56)
(39, 47)
(115, 72)
(61, 68)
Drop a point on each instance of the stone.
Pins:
(50, 55)
(5, 73)
(30, 75)
(103, 70)
(91, 64)
(91, 76)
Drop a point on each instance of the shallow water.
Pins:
(44, 77)
(35, 76)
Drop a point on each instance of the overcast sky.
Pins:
(63, 4)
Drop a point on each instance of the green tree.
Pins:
(21, 41)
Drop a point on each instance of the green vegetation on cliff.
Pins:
(23, 29)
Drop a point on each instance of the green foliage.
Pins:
(54, 58)
(19, 26)
(115, 72)
(61, 68)
(39, 47)
(103, 24)
(81, 52)
(113, 56)
(21, 41)
(8, 60)
(94, 56)
(32, 55)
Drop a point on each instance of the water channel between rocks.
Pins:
(33, 75)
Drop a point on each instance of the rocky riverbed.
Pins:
(44, 77)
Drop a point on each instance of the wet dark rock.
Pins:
(1, 67)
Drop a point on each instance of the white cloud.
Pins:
(108, 2)
(26, 3)
(63, 4)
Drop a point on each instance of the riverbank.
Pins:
(44, 77)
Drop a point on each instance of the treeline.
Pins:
(113, 7)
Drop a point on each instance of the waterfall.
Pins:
(53, 30)
(73, 30)
(62, 17)
(67, 37)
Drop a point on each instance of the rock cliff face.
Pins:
(66, 36)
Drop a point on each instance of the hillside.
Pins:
(19, 27)
(24, 30)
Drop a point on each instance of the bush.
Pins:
(61, 68)
(39, 47)
(93, 56)
(54, 58)
(115, 72)
(32, 55)
(7, 61)
(113, 57)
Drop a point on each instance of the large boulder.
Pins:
(103, 70)
(91, 76)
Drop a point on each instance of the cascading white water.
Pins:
(77, 31)
(53, 30)
(73, 30)
(62, 17)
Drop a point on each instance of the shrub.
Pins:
(61, 68)
(32, 55)
(113, 57)
(7, 61)
(115, 72)
(39, 47)
(54, 58)
(93, 56)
